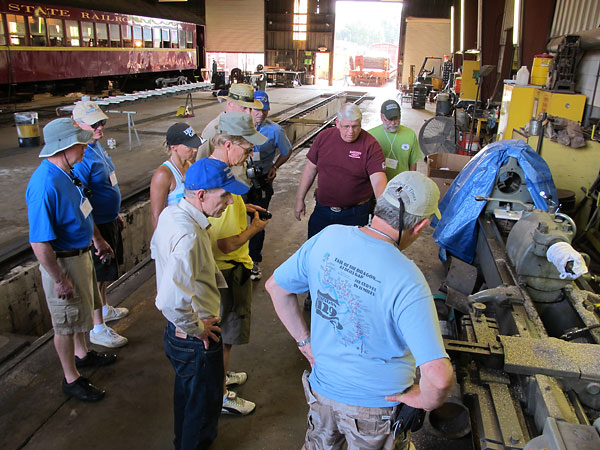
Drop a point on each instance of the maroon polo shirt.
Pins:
(344, 168)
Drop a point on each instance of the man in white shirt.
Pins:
(188, 296)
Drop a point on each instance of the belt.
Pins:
(69, 253)
(338, 209)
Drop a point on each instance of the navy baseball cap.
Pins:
(209, 173)
(262, 97)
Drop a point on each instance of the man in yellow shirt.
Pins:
(399, 143)
(230, 233)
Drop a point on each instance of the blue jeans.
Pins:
(323, 216)
(198, 392)
(259, 195)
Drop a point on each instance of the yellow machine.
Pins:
(520, 104)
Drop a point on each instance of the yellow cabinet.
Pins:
(468, 88)
(570, 106)
(518, 105)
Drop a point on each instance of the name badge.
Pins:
(113, 178)
(86, 208)
(391, 163)
(256, 156)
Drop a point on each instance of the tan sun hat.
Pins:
(243, 94)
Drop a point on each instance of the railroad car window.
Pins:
(102, 34)
(72, 32)
(87, 34)
(181, 38)
(137, 37)
(166, 41)
(147, 33)
(37, 31)
(156, 37)
(189, 39)
(115, 35)
(55, 32)
(16, 29)
(126, 33)
(2, 36)
(173, 38)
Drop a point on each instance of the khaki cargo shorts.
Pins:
(74, 315)
(331, 423)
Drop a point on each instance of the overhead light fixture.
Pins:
(517, 23)
(452, 29)
(462, 26)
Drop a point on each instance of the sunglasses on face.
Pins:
(99, 124)
(77, 182)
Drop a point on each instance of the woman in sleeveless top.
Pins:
(167, 185)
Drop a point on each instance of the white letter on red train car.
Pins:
(13, 7)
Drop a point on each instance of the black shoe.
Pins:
(95, 359)
(83, 390)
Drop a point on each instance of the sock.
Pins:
(99, 328)
(225, 396)
(104, 310)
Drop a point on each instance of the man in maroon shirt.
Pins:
(351, 167)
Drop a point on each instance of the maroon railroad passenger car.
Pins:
(44, 45)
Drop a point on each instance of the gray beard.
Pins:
(391, 129)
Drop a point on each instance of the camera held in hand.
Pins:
(254, 172)
(264, 215)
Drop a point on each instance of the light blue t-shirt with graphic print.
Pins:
(372, 318)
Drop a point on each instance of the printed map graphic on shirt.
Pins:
(337, 303)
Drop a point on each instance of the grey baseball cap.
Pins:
(419, 194)
(240, 124)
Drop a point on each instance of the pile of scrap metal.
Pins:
(523, 336)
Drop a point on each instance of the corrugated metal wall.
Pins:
(571, 16)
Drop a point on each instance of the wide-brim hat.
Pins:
(88, 112)
(419, 194)
(243, 94)
(61, 134)
(240, 124)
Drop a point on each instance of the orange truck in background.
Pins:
(370, 70)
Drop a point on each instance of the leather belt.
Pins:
(338, 209)
(69, 253)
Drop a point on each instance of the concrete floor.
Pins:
(137, 410)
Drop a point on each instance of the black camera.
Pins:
(254, 172)
(264, 215)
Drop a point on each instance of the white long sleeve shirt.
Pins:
(186, 272)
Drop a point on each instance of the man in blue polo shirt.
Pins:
(61, 232)
(97, 172)
(263, 166)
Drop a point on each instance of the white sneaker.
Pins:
(255, 273)
(113, 313)
(235, 378)
(236, 406)
(108, 338)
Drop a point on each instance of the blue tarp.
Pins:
(456, 232)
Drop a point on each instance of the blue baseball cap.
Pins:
(262, 97)
(209, 173)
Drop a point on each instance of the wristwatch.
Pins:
(304, 343)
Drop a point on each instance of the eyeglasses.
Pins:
(77, 182)
(99, 124)
(247, 151)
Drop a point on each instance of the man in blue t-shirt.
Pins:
(97, 172)
(60, 232)
(373, 322)
(263, 168)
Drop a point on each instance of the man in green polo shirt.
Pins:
(399, 143)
